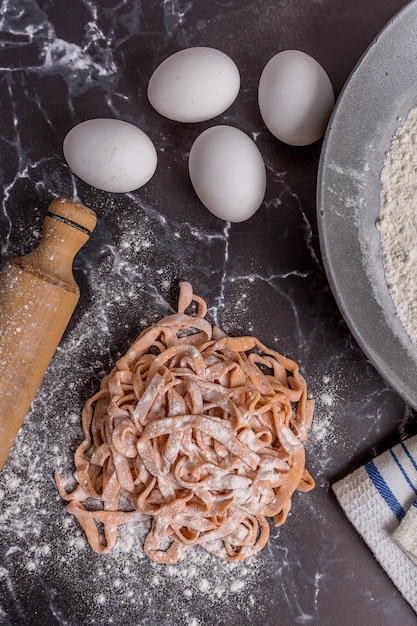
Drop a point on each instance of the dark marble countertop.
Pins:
(64, 62)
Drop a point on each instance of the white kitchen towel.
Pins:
(380, 500)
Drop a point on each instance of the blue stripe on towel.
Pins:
(403, 472)
(411, 458)
(384, 490)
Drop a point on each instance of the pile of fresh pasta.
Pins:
(196, 431)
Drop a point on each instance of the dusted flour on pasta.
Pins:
(398, 222)
(197, 432)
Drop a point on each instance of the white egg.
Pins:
(110, 154)
(227, 172)
(194, 85)
(295, 98)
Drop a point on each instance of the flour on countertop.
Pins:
(41, 540)
(39, 537)
(398, 222)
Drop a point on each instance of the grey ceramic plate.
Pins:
(381, 89)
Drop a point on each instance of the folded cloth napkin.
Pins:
(380, 500)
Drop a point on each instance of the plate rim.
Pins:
(392, 378)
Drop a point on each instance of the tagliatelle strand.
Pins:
(198, 432)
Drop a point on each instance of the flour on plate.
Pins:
(398, 222)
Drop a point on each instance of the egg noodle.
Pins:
(199, 432)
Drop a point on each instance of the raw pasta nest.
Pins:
(199, 432)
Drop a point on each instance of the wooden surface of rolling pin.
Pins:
(38, 295)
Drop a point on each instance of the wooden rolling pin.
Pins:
(38, 295)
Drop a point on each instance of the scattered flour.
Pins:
(322, 428)
(40, 541)
(398, 221)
